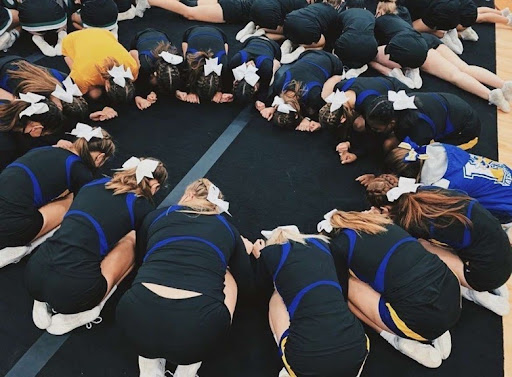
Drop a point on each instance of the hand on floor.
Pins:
(259, 105)
(347, 157)
(365, 179)
(267, 113)
(142, 104)
(152, 97)
(106, 114)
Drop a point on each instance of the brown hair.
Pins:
(204, 86)
(167, 75)
(377, 189)
(126, 181)
(84, 148)
(332, 120)
(116, 93)
(360, 222)
(199, 204)
(291, 95)
(394, 163)
(10, 117)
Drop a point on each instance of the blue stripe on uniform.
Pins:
(101, 235)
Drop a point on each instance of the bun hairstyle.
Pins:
(167, 75)
(116, 93)
(84, 148)
(199, 203)
(125, 181)
(378, 188)
(360, 222)
(204, 86)
(380, 112)
(10, 117)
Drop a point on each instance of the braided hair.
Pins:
(168, 76)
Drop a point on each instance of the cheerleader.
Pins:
(406, 294)
(205, 49)
(479, 251)
(78, 269)
(345, 111)
(159, 66)
(101, 14)
(298, 88)
(182, 301)
(316, 333)
(253, 69)
(36, 189)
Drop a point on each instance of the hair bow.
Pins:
(67, 92)
(120, 75)
(143, 168)
(212, 65)
(291, 228)
(336, 100)
(401, 101)
(36, 107)
(247, 73)
(415, 151)
(86, 131)
(213, 197)
(282, 106)
(405, 186)
(325, 224)
(171, 58)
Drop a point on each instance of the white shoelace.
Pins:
(95, 321)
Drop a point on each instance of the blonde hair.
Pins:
(361, 222)
(387, 7)
(281, 236)
(126, 181)
(199, 204)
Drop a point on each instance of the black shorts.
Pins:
(41, 15)
(426, 314)
(64, 293)
(236, 11)
(182, 331)
(267, 14)
(442, 14)
(468, 13)
(407, 49)
(19, 228)
(468, 136)
(99, 13)
(123, 5)
(432, 41)
(488, 276)
(356, 50)
(5, 20)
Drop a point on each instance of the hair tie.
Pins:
(401, 101)
(119, 74)
(415, 151)
(213, 197)
(87, 132)
(325, 224)
(290, 228)
(171, 58)
(36, 107)
(405, 186)
(67, 92)
(282, 106)
(143, 168)
(336, 100)
(212, 65)
(246, 72)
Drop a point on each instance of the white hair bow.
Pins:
(36, 107)
(247, 73)
(86, 131)
(401, 100)
(67, 92)
(336, 100)
(144, 168)
(171, 58)
(291, 228)
(212, 65)
(213, 197)
(282, 107)
(405, 186)
(120, 75)
(325, 224)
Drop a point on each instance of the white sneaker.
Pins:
(502, 292)
(140, 7)
(187, 370)
(451, 43)
(257, 33)
(284, 373)
(250, 28)
(494, 303)
(497, 98)
(5, 39)
(399, 75)
(41, 315)
(507, 91)
(415, 76)
(286, 47)
(505, 12)
(14, 35)
(355, 72)
(424, 354)
(11, 255)
(151, 367)
(128, 15)
(443, 344)
(45, 48)
(469, 35)
(292, 56)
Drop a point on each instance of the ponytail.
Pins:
(199, 204)
(280, 236)
(360, 222)
(116, 93)
(204, 86)
(84, 148)
(10, 117)
(167, 75)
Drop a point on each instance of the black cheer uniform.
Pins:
(270, 14)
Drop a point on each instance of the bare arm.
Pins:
(329, 85)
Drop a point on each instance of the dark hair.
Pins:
(332, 120)
(243, 93)
(78, 110)
(116, 93)
(10, 117)
(167, 75)
(291, 95)
(380, 112)
(394, 163)
(204, 86)
(84, 148)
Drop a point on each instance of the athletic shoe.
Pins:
(284, 373)
(452, 42)
(14, 35)
(469, 35)
(64, 323)
(140, 7)
(424, 354)
(5, 39)
(41, 315)
(10, 255)
(502, 292)
(497, 99)
(415, 76)
(286, 47)
(355, 72)
(505, 12)
(58, 47)
(128, 15)
(257, 33)
(187, 370)
(507, 91)
(494, 303)
(399, 75)
(45, 48)
(443, 344)
(292, 56)
(151, 367)
(250, 28)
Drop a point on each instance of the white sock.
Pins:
(497, 98)
(248, 29)
(187, 370)
(422, 353)
(151, 367)
(494, 303)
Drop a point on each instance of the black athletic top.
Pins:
(357, 21)
(440, 116)
(305, 276)
(262, 51)
(192, 252)
(312, 69)
(40, 176)
(306, 25)
(389, 25)
(270, 14)
(392, 262)
(209, 38)
(94, 224)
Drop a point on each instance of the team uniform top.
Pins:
(270, 14)
(488, 181)
(312, 69)
(262, 52)
(442, 117)
(436, 14)
(89, 48)
(321, 325)
(191, 252)
(307, 25)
